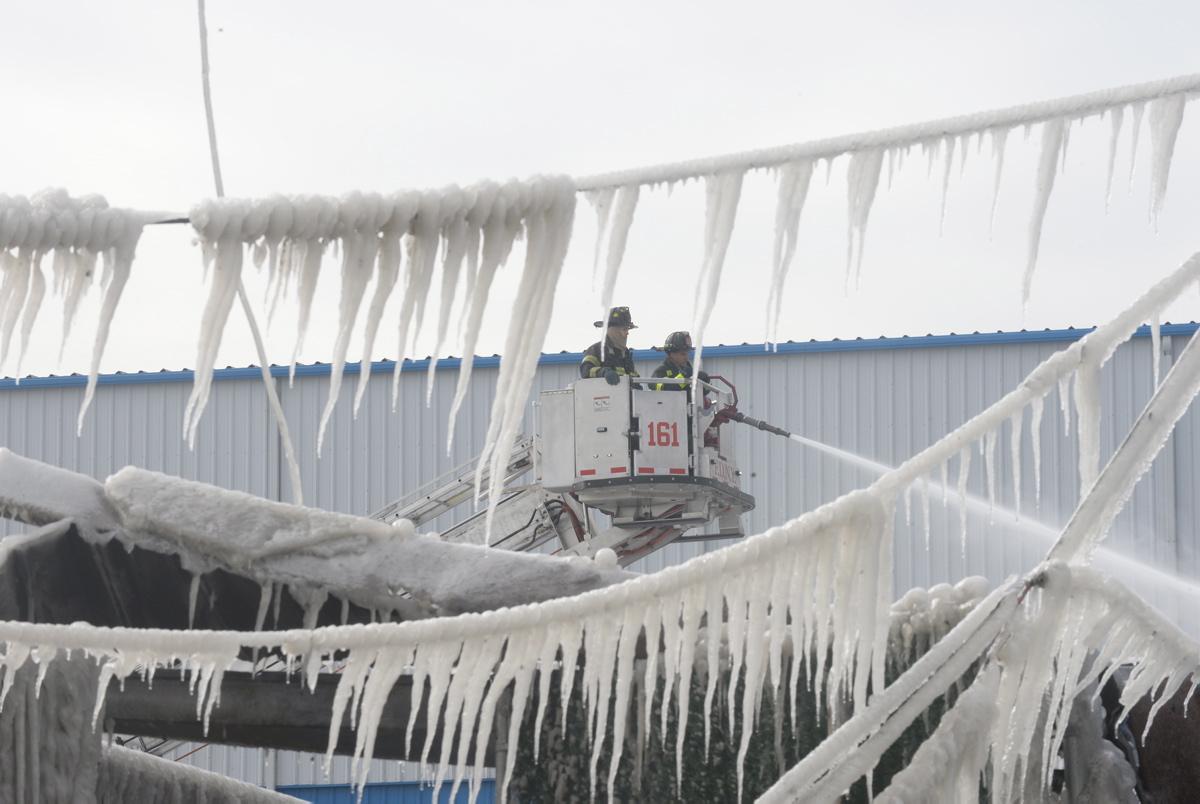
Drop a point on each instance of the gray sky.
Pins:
(323, 97)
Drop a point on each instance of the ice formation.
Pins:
(794, 179)
(722, 192)
(820, 582)
(868, 150)
(948, 765)
(75, 232)
(614, 215)
(547, 212)
(478, 225)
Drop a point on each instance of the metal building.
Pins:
(881, 400)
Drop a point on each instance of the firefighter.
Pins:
(678, 363)
(617, 357)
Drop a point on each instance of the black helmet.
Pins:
(677, 342)
(618, 317)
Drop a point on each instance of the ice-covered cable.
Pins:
(226, 277)
(1074, 106)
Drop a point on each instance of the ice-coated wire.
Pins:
(1083, 105)
(264, 365)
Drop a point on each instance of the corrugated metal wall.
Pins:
(884, 400)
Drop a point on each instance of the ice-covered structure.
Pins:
(806, 601)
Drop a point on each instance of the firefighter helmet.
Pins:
(618, 317)
(678, 342)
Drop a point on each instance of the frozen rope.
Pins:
(264, 365)
(1073, 106)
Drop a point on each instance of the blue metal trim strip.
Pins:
(573, 358)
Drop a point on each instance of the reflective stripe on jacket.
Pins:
(614, 357)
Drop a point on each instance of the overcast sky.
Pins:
(326, 98)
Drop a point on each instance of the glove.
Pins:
(611, 376)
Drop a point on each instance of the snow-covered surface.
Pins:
(377, 566)
(921, 617)
(49, 753)
(38, 494)
(127, 775)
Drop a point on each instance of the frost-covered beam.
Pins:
(38, 494)
(374, 565)
(313, 552)
(1073, 106)
(1090, 522)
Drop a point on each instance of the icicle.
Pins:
(989, 469)
(999, 139)
(908, 505)
(391, 253)
(456, 205)
(1118, 116)
(601, 201)
(360, 218)
(945, 471)
(423, 247)
(220, 228)
(714, 613)
(264, 601)
(631, 629)
(321, 215)
(722, 193)
(794, 178)
(1064, 403)
(1052, 145)
(500, 229)
(1136, 129)
(863, 179)
(33, 304)
(548, 231)
(1087, 408)
(925, 511)
(1015, 422)
(1166, 115)
(622, 219)
(1066, 143)
(1156, 347)
(964, 468)
(193, 593)
(948, 144)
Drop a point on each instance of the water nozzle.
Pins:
(738, 416)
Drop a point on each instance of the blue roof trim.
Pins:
(572, 358)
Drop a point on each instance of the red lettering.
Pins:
(662, 434)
